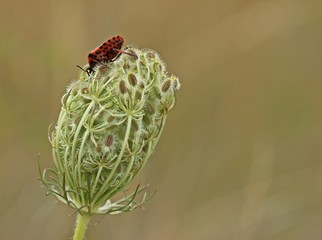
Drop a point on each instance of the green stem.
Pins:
(81, 226)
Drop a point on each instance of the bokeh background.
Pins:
(240, 156)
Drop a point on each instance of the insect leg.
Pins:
(120, 52)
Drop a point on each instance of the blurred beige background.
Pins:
(240, 157)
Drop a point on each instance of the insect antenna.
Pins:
(88, 70)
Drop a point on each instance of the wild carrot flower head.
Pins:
(108, 127)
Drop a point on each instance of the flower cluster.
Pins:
(108, 127)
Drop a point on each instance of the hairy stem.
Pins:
(81, 226)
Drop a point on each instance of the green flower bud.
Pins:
(108, 127)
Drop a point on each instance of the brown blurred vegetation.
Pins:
(240, 157)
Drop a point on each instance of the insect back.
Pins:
(105, 53)
(109, 51)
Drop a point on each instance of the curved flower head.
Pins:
(108, 127)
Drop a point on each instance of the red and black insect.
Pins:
(109, 51)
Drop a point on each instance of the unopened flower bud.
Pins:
(108, 127)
